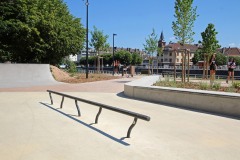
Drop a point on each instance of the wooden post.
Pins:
(182, 66)
(204, 66)
(175, 54)
(188, 64)
(207, 66)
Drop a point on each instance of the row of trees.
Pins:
(38, 31)
(185, 15)
(124, 57)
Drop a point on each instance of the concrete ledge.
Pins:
(209, 101)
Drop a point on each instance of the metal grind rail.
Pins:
(100, 105)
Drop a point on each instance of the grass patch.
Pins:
(199, 85)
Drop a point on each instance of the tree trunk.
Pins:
(182, 67)
(175, 66)
(207, 67)
(188, 64)
(204, 66)
(152, 65)
(149, 65)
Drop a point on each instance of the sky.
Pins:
(133, 20)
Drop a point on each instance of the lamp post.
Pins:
(87, 41)
(113, 51)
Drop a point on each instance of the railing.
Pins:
(224, 67)
(126, 112)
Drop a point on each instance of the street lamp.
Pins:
(87, 41)
(113, 51)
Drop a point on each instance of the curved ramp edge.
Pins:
(25, 75)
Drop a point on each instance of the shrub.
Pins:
(203, 86)
(236, 84)
(216, 86)
(72, 67)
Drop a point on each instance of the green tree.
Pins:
(124, 57)
(99, 42)
(209, 45)
(107, 58)
(185, 16)
(136, 59)
(198, 56)
(237, 60)
(151, 46)
(91, 60)
(221, 59)
(38, 31)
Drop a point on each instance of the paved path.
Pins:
(32, 129)
(109, 86)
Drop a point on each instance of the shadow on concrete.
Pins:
(122, 95)
(87, 125)
(122, 81)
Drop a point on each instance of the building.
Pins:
(231, 52)
(172, 53)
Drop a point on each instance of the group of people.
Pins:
(231, 66)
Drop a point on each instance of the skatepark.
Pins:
(33, 128)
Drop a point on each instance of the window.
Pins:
(170, 60)
(177, 60)
(161, 60)
(170, 54)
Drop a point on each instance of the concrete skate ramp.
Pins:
(25, 75)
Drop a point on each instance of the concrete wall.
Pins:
(209, 101)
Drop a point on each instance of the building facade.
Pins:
(173, 53)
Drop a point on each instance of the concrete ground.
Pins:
(32, 129)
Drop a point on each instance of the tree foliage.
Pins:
(209, 40)
(198, 56)
(107, 58)
(38, 31)
(151, 45)
(99, 40)
(221, 59)
(237, 60)
(136, 59)
(124, 57)
(185, 16)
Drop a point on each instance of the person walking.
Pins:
(231, 67)
(213, 67)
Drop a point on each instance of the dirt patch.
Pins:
(63, 76)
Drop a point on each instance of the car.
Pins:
(63, 66)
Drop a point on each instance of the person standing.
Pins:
(231, 67)
(213, 67)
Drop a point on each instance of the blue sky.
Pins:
(133, 20)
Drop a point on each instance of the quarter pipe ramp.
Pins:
(25, 75)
